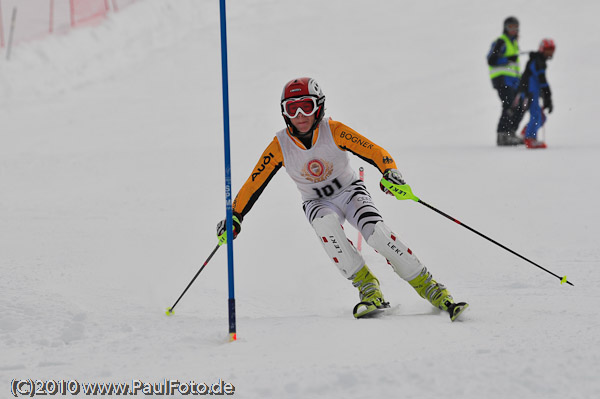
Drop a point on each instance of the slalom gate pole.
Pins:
(361, 173)
(228, 207)
(1, 28)
(405, 192)
(169, 311)
(11, 33)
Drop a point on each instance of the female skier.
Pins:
(314, 151)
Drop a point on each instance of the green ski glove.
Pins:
(400, 191)
(222, 229)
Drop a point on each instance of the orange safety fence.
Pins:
(83, 11)
(37, 19)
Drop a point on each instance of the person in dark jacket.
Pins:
(532, 87)
(503, 61)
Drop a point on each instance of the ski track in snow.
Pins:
(111, 186)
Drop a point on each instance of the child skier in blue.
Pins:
(534, 85)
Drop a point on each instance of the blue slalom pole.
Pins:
(228, 201)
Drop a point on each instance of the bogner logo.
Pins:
(317, 170)
(356, 140)
(265, 161)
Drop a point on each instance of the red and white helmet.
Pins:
(547, 47)
(302, 95)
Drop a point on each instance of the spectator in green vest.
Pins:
(503, 61)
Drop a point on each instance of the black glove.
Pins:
(546, 99)
(393, 176)
(513, 58)
(222, 227)
(548, 104)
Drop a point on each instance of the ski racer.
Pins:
(314, 151)
(533, 86)
(503, 61)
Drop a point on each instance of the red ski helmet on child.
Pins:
(302, 95)
(547, 47)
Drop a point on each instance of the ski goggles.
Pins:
(304, 105)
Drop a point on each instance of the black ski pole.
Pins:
(169, 311)
(405, 192)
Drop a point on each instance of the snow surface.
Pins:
(112, 182)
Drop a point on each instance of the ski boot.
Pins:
(437, 294)
(508, 139)
(534, 144)
(371, 298)
(519, 140)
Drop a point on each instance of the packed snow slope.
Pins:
(112, 182)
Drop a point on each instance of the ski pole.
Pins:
(169, 311)
(543, 126)
(405, 192)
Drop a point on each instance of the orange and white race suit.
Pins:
(321, 171)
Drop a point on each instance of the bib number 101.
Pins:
(328, 190)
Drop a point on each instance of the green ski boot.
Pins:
(437, 294)
(371, 298)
